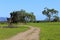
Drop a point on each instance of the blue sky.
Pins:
(36, 6)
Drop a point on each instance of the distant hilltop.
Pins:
(3, 18)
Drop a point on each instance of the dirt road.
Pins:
(31, 34)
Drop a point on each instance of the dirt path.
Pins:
(31, 34)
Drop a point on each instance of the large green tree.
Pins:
(22, 16)
(49, 12)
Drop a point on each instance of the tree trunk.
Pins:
(49, 18)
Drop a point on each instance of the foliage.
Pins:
(49, 12)
(22, 16)
(56, 18)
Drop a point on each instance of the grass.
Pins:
(8, 32)
(49, 30)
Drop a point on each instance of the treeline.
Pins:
(23, 17)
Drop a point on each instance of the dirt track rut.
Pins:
(31, 34)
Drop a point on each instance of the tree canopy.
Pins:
(22, 16)
(49, 12)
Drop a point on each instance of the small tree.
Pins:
(56, 18)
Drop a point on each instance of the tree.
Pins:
(21, 16)
(49, 12)
(56, 18)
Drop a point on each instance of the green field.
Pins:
(49, 30)
(8, 32)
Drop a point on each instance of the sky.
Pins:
(36, 6)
